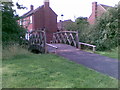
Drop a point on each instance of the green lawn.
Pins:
(111, 53)
(51, 71)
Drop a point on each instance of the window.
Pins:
(23, 22)
(20, 22)
(30, 30)
(30, 19)
(27, 36)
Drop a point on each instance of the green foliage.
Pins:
(103, 34)
(79, 25)
(81, 21)
(11, 31)
(71, 26)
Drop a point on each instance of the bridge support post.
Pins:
(77, 40)
(44, 35)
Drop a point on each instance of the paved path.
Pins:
(97, 62)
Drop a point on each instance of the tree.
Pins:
(79, 25)
(104, 34)
(11, 31)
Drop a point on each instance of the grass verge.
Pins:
(113, 53)
(13, 51)
(50, 71)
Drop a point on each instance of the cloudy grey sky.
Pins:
(71, 9)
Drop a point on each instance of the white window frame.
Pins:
(24, 21)
(31, 21)
(30, 30)
(20, 21)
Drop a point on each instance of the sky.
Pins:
(71, 9)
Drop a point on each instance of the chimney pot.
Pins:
(31, 7)
(94, 8)
(46, 3)
(46, 0)
(94, 5)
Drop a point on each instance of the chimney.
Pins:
(94, 9)
(46, 3)
(31, 7)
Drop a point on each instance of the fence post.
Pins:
(93, 49)
(77, 40)
(44, 35)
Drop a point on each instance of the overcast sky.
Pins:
(71, 9)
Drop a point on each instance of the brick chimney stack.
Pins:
(94, 9)
(46, 3)
(31, 7)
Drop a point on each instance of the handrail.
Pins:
(52, 47)
(66, 32)
(88, 45)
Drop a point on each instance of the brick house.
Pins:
(62, 24)
(41, 18)
(97, 11)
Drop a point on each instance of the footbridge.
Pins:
(37, 41)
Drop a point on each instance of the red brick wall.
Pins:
(93, 16)
(50, 21)
(100, 10)
(30, 26)
(44, 17)
(50, 24)
(97, 11)
(26, 23)
(38, 19)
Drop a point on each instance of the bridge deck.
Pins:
(96, 62)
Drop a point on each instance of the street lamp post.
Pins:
(62, 21)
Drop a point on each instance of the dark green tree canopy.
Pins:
(11, 31)
(81, 20)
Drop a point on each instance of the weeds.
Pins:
(13, 51)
